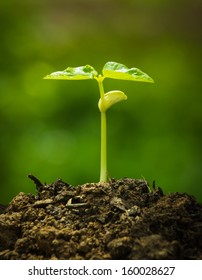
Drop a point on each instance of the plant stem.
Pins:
(103, 152)
(101, 87)
(103, 165)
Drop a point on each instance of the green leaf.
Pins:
(111, 98)
(119, 71)
(74, 73)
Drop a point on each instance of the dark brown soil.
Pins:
(122, 219)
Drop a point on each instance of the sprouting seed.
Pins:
(112, 70)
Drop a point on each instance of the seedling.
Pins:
(112, 70)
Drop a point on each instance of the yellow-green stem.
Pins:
(103, 164)
(103, 152)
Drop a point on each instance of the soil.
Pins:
(122, 219)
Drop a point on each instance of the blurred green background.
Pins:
(52, 128)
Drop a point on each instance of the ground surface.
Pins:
(119, 220)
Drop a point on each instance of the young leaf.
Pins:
(74, 73)
(119, 71)
(111, 98)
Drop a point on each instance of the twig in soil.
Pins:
(36, 181)
(71, 204)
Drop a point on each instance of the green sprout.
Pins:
(112, 70)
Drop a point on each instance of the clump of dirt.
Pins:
(122, 219)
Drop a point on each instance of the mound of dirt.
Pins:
(122, 219)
